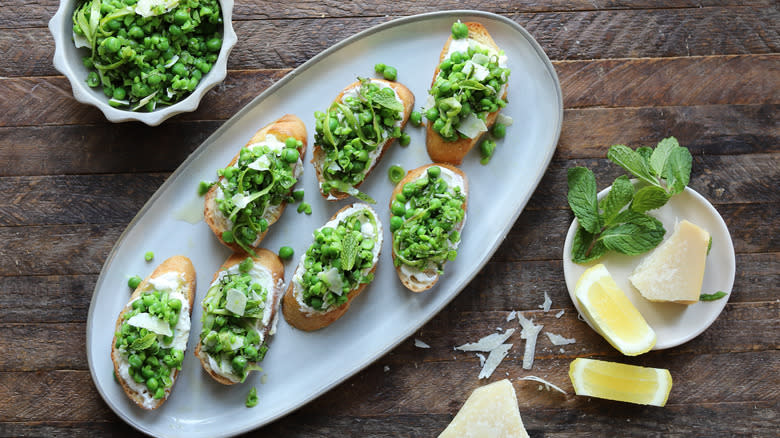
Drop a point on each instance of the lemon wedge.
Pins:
(620, 382)
(612, 314)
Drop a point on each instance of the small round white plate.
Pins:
(674, 324)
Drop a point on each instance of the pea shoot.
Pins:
(143, 55)
(396, 173)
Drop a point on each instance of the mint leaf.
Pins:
(712, 297)
(661, 155)
(631, 238)
(646, 152)
(618, 197)
(143, 343)
(585, 248)
(349, 244)
(632, 161)
(582, 198)
(677, 172)
(649, 198)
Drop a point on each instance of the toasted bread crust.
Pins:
(299, 319)
(318, 153)
(271, 261)
(453, 152)
(174, 264)
(413, 175)
(286, 126)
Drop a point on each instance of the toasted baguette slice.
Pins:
(421, 280)
(404, 95)
(453, 152)
(269, 269)
(304, 317)
(287, 126)
(179, 267)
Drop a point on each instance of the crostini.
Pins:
(336, 268)
(252, 191)
(152, 331)
(355, 132)
(240, 312)
(469, 88)
(428, 211)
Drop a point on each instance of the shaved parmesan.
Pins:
(488, 343)
(172, 61)
(235, 301)
(240, 200)
(559, 340)
(332, 278)
(547, 303)
(547, 384)
(472, 126)
(145, 100)
(559, 314)
(494, 359)
(504, 119)
(151, 8)
(151, 323)
(429, 103)
(530, 332)
(119, 101)
(481, 359)
(512, 315)
(237, 343)
(420, 344)
(262, 163)
(480, 72)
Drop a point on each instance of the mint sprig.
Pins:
(619, 221)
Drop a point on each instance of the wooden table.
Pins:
(632, 71)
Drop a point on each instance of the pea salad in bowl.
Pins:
(144, 60)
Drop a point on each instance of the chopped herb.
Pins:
(712, 297)
(251, 398)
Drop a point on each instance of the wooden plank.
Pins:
(61, 345)
(65, 298)
(116, 198)
(710, 129)
(584, 35)
(699, 379)
(586, 133)
(81, 248)
(670, 82)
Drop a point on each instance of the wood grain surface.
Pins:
(631, 72)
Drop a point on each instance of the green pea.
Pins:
(459, 30)
(405, 139)
(397, 208)
(379, 68)
(119, 93)
(181, 16)
(390, 73)
(416, 118)
(434, 172)
(438, 125)
(227, 236)
(432, 114)
(92, 79)
(396, 222)
(499, 130)
(298, 194)
(214, 44)
(291, 142)
(152, 384)
(396, 173)
(286, 252)
(160, 393)
(251, 398)
(149, 256)
(204, 187)
(239, 363)
(134, 281)
(290, 155)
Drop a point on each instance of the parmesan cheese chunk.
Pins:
(675, 270)
(490, 412)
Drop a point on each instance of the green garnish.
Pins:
(232, 313)
(251, 398)
(149, 256)
(467, 88)
(712, 297)
(147, 57)
(486, 149)
(350, 132)
(339, 260)
(262, 177)
(396, 173)
(134, 281)
(619, 221)
(424, 221)
(298, 194)
(415, 118)
(304, 207)
(204, 187)
(151, 356)
(709, 246)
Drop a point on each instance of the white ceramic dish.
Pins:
(67, 60)
(674, 324)
(300, 366)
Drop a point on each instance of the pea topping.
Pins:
(232, 311)
(459, 30)
(351, 130)
(262, 177)
(390, 73)
(251, 398)
(286, 252)
(424, 222)
(499, 130)
(149, 256)
(415, 118)
(134, 281)
(153, 52)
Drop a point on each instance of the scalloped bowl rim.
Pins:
(70, 65)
